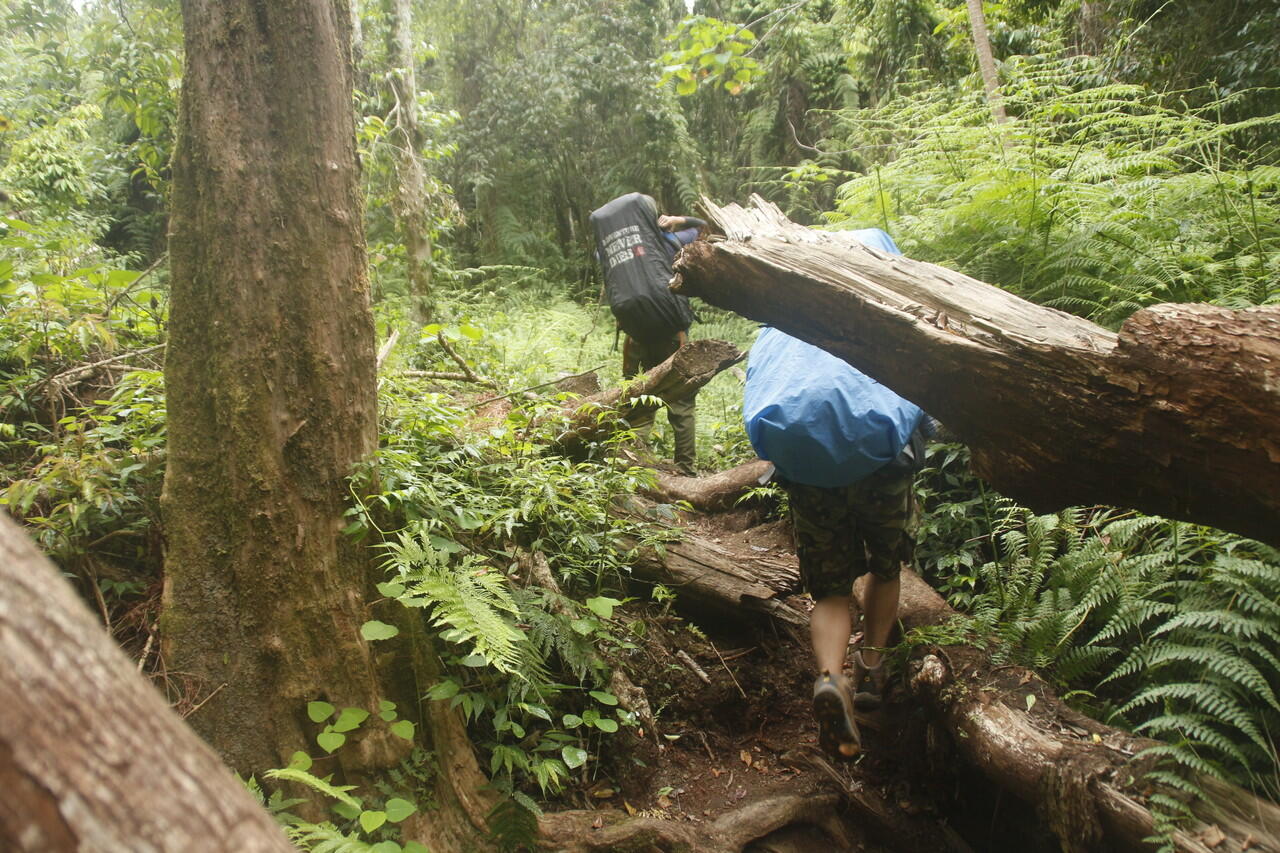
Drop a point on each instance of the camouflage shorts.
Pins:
(841, 534)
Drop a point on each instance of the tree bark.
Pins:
(1177, 415)
(271, 404)
(723, 583)
(986, 61)
(715, 492)
(91, 757)
(411, 211)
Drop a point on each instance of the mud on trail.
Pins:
(737, 736)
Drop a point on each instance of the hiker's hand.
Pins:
(665, 222)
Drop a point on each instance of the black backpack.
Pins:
(636, 259)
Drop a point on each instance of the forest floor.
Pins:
(739, 729)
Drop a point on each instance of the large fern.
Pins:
(1168, 628)
(1098, 198)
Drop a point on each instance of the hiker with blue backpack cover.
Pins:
(635, 247)
(846, 448)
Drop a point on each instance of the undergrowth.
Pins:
(1098, 198)
(1165, 628)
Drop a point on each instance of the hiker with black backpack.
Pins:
(635, 247)
(846, 449)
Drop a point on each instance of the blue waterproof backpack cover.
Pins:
(820, 421)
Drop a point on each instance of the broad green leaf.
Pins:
(446, 689)
(574, 756)
(386, 847)
(346, 810)
(583, 626)
(416, 847)
(398, 809)
(604, 698)
(375, 630)
(329, 741)
(602, 606)
(403, 729)
(300, 761)
(606, 724)
(371, 820)
(686, 87)
(319, 711)
(391, 589)
(350, 719)
(471, 332)
(571, 721)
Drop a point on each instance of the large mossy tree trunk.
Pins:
(271, 399)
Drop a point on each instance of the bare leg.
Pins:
(829, 629)
(879, 612)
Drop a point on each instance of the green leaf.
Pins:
(386, 705)
(446, 689)
(329, 741)
(583, 626)
(416, 847)
(346, 810)
(605, 724)
(398, 809)
(391, 589)
(319, 711)
(386, 847)
(371, 820)
(300, 761)
(602, 606)
(571, 721)
(403, 729)
(375, 630)
(604, 698)
(471, 332)
(446, 545)
(574, 756)
(686, 87)
(350, 719)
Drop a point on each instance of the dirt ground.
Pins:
(736, 725)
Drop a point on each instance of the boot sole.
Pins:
(836, 728)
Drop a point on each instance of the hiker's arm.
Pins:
(677, 223)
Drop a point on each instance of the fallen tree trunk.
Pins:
(691, 367)
(713, 580)
(715, 492)
(1178, 415)
(1081, 775)
(91, 757)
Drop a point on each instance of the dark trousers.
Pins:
(639, 356)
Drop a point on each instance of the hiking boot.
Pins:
(868, 683)
(833, 709)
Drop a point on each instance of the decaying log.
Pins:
(692, 366)
(1178, 414)
(91, 757)
(1079, 773)
(716, 581)
(713, 493)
